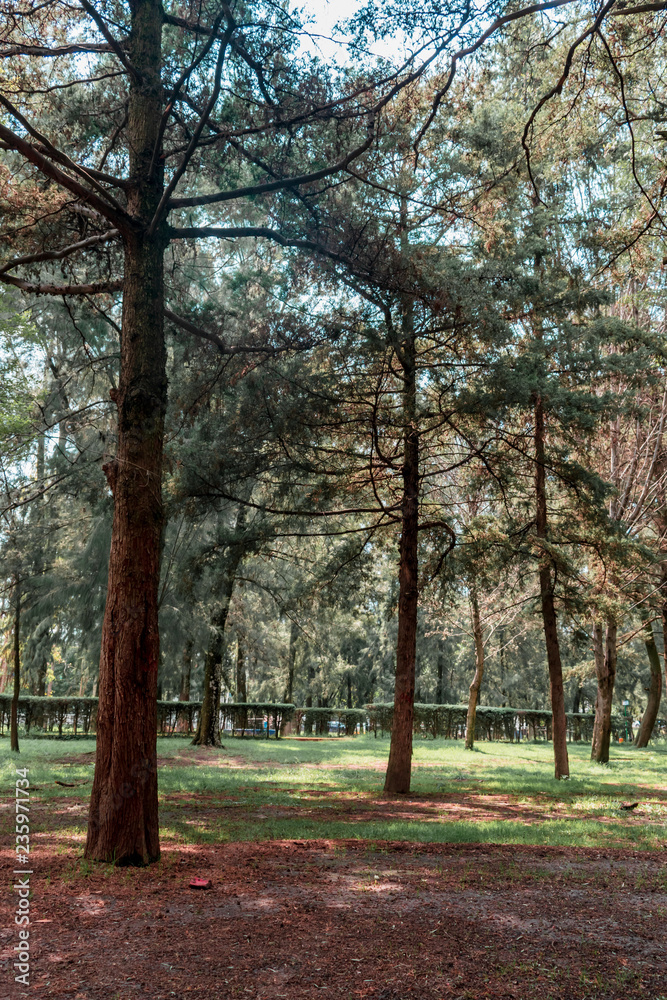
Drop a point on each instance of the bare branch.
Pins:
(98, 288)
(48, 149)
(115, 45)
(224, 348)
(60, 254)
(644, 8)
(277, 185)
(263, 232)
(50, 53)
(558, 87)
(462, 53)
(192, 145)
(120, 219)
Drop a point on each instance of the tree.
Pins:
(218, 104)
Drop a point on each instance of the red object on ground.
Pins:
(201, 883)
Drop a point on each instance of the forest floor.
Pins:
(566, 899)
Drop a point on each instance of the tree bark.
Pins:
(291, 662)
(123, 818)
(559, 724)
(663, 588)
(208, 730)
(397, 779)
(598, 656)
(241, 688)
(14, 718)
(186, 671)
(654, 691)
(605, 665)
(440, 667)
(473, 697)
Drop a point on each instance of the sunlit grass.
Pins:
(260, 789)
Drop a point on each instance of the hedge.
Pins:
(321, 717)
(80, 714)
(490, 723)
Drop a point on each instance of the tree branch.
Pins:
(213, 338)
(47, 148)
(192, 145)
(116, 46)
(287, 182)
(239, 232)
(100, 287)
(644, 8)
(462, 53)
(59, 254)
(120, 219)
(50, 53)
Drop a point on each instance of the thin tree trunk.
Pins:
(123, 817)
(473, 697)
(288, 725)
(663, 587)
(654, 691)
(598, 656)
(559, 724)
(208, 730)
(14, 721)
(606, 670)
(440, 667)
(186, 670)
(241, 689)
(397, 779)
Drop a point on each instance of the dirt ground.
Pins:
(384, 921)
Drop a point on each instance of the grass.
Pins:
(252, 790)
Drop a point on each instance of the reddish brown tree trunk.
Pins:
(605, 665)
(399, 765)
(123, 819)
(14, 718)
(663, 586)
(473, 697)
(598, 656)
(559, 722)
(654, 690)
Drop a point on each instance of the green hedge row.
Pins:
(317, 719)
(75, 716)
(78, 715)
(490, 723)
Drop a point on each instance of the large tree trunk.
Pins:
(400, 753)
(654, 691)
(14, 718)
(123, 819)
(605, 665)
(473, 697)
(559, 724)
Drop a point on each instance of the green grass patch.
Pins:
(254, 790)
